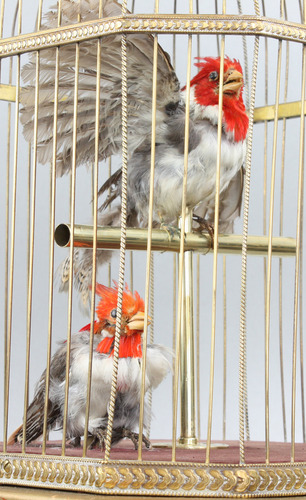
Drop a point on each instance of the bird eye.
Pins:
(114, 313)
(214, 76)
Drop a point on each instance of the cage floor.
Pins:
(227, 453)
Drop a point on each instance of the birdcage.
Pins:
(225, 299)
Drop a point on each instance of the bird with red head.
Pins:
(127, 405)
(169, 147)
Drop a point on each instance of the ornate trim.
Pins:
(154, 478)
(176, 23)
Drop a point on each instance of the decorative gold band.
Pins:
(157, 23)
(149, 478)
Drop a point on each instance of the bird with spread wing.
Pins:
(170, 128)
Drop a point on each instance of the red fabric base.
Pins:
(254, 452)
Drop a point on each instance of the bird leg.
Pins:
(99, 437)
(204, 226)
(169, 228)
(74, 442)
(134, 437)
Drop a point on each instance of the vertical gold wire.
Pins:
(12, 255)
(12, 248)
(198, 270)
(31, 255)
(101, 2)
(152, 293)
(51, 248)
(29, 208)
(2, 18)
(265, 174)
(298, 255)
(39, 14)
(92, 175)
(301, 316)
(174, 255)
(94, 250)
(217, 36)
(224, 348)
(198, 347)
(7, 213)
(215, 258)
(149, 243)
(51, 253)
(198, 36)
(301, 294)
(1, 27)
(174, 310)
(224, 308)
(181, 254)
(256, 8)
(71, 250)
(301, 11)
(109, 266)
(124, 126)
(269, 266)
(243, 289)
(19, 28)
(246, 65)
(59, 13)
(247, 101)
(152, 298)
(131, 271)
(95, 220)
(281, 260)
(174, 38)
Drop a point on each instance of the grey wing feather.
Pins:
(139, 79)
(35, 411)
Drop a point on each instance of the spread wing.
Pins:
(139, 81)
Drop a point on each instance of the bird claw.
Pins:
(204, 226)
(98, 437)
(171, 230)
(134, 437)
(74, 442)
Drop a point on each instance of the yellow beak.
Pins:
(233, 81)
(137, 321)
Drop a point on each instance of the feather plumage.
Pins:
(170, 127)
(128, 380)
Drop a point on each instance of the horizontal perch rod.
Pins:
(136, 239)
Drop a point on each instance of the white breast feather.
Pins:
(128, 382)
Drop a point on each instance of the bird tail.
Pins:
(16, 436)
(34, 429)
